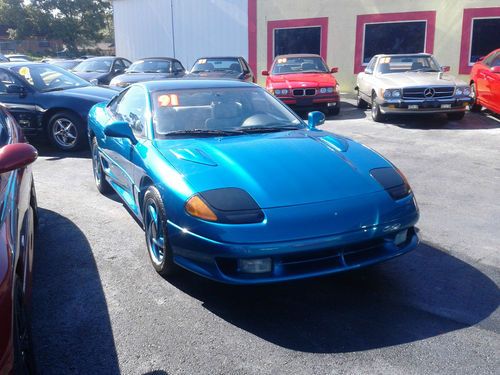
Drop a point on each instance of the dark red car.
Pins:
(18, 218)
(485, 83)
(304, 82)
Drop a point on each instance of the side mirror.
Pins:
(120, 129)
(16, 155)
(495, 69)
(265, 73)
(445, 68)
(15, 89)
(334, 70)
(314, 119)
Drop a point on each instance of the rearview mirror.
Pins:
(445, 68)
(314, 119)
(495, 69)
(334, 70)
(16, 155)
(265, 73)
(120, 129)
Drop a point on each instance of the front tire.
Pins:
(335, 110)
(66, 131)
(99, 177)
(474, 107)
(377, 116)
(155, 228)
(456, 116)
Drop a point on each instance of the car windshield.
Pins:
(290, 65)
(45, 77)
(219, 111)
(408, 63)
(94, 65)
(66, 64)
(150, 66)
(216, 65)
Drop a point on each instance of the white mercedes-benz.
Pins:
(410, 83)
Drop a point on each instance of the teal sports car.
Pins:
(229, 183)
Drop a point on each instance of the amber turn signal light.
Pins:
(196, 207)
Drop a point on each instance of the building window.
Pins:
(485, 37)
(307, 35)
(480, 35)
(393, 37)
(297, 40)
(408, 32)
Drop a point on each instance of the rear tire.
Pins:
(66, 131)
(377, 116)
(474, 107)
(456, 116)
(155, 228)
(99, 176)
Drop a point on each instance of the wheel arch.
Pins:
(52, 111)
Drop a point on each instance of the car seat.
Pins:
(384, 68)
(416, 65)
(225, 115)
(308, 66)
(235, 67)
(205, 66)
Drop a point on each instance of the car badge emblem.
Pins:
(429, 93)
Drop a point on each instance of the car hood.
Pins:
(277, 169)
(140, 77)
(224, 74)
(91, 75)
(92, 93)
(410, 79)
(301, 80)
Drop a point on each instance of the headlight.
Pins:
(277, 92)
(329, 90)
(458, 91)
(226, 206)
(392, 181)
(322, 90)
(392, 93)
(466, 91)
(281, 92)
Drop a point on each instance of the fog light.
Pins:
(261, 265)
(401, 237)
(334, 104)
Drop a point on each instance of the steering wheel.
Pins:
(259, 119)
(56, 82)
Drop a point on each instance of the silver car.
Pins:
(410, 83)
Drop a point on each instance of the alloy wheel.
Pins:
(154, 233)
(64, 132)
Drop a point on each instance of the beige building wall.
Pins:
(342, 15)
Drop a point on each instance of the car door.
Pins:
(365, 80)
(131, 108)
(482, 90)
(20, 104)
(492, 82)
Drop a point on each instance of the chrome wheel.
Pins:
(64, 132)
(155, 235)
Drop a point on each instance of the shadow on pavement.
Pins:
(71, 326)
(423, 294)
(348, 111)
(45, 149)
(471, 121)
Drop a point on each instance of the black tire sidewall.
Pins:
(103, 186)
(80, 129)
(167, 267)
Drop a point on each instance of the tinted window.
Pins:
(132, 107)
(178, 66)
(297, 40)
(94, 65)
(393, 38)
(5, 80)
(218, 109)
(150, 66)
(485, 37)
(216, 65)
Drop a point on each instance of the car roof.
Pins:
(402, 54)
(219, 57)
(193, 83)
(102, 58)
(156, 58)
(292, 55)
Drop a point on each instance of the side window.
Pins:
(490, 61)
(371, 66)
(5, 80)
(126, 63)
(496, 60)
(132, 108)
(245, 65)
(178, 66)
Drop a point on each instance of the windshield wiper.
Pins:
(270, 129)
(208, 132)
(56, 89)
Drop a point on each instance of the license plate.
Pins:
(445, 105)
(413, 106)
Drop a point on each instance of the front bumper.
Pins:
(388, 106)
(291, 260)
(313, 101)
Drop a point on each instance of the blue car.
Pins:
(230, 184)
(48, 100)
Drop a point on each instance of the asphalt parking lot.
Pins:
(100, 308)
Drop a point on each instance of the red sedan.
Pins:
(304, 82)
(485, 83)
(17, 224)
